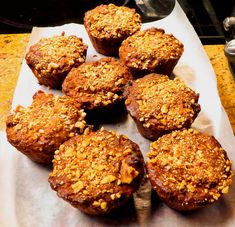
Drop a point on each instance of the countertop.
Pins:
(12, 50)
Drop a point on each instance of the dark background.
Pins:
(19, 16)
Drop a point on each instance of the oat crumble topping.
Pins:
(49, 115)
(101, 82)
(95, 163)
(106, 21)
(189, 161)
(166, 104)
(149, 48)
(56, 54)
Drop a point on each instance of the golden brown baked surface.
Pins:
(38, 130)
(52, 58)
(188, 169)
(13, 47)
(97, 84)
(159, 105)
(97, 171)
(151, 50)
(111, 21)
(108, 25)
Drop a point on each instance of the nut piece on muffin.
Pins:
(108, 25)
(97, 172)
(52, 58)
(160, 105)
(38, 130)
(99, 84)
(151, 51)
(188, 169)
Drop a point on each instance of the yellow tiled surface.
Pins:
(225, 80)
(12, 49)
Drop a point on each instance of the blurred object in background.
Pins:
(229, 27)
(152, 10)
(229, 49)
(207, 17)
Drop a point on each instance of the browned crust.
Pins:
(105, 46)
(52, 58)
(159, 105)
(188, 169)
(97, 172)
(151, 51)
(108, 25)
(38, 130)
(98, 85)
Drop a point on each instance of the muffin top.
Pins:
(189, 165)
(156, 101)
(149, 48)
(99, 83)
(46, 123)
(56, 54)
(99, 167)
(110, 21)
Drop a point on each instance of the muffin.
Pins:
(188, 169)
(151, 51)
(160, 105)
(52, 58)
(38, 130)
(97, 172)
(108, 25)
(97, 85)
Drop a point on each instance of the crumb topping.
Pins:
(98, 164)
(48, 118)
(150, 48)
(100, 83)
(106, 21)
(56, 54)
(190, 162)
(163, 103)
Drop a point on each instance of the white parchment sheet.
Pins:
(26, 199)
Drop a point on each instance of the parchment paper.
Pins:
(25, 195)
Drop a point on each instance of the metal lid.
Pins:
(229, 51)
